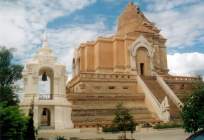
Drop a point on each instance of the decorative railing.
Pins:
(102, 76)
(161, 110)
(106, 98)
(45, 96)
(180, 78)
(106, 76)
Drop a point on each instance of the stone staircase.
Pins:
(181, 86)
(182, 94)
(92, 109)
(160, 94)
(92, 117)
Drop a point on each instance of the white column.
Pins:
(36, 117)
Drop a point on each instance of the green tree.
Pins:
(8, 96)
(30, 131)
(193, 111)
(12, 123)
(9, 73)
(123, 120)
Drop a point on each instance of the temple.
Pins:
(129, 67)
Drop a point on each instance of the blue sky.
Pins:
(71, 22)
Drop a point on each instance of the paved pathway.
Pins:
(167, 134)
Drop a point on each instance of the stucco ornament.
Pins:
(165, 109)
(141, 41)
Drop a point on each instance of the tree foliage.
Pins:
(12, 123)
(8, 96)
(9, 73)
(30, 131)
(123, 120)
(193, 111)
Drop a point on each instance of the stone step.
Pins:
(109, 118)
(160, 94)
(155, 89)
(107, 105)
(107, 121)
(103, 93)
(79, 102)
(100, 112)
(103, 97)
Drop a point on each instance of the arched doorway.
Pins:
(45, 117)
(143, 62)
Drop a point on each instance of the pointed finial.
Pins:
(131, 2)
(44, 36)
(45, 42)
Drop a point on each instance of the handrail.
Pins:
(169, 92)
(179, 78)
(45, 96)
(152, 99)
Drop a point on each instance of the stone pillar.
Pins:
(36, 117)
(63, 117)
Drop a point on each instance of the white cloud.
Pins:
(186, 63)
(22, 22)
(44, 10)
(161, 5)
(12, 33)
(183, 26)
